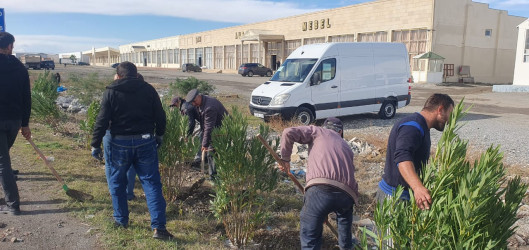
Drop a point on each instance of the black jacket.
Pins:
(212, 112)
(15, 92)
(133, 107)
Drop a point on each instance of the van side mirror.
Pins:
(315, 79)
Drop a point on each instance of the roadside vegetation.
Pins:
(253, 205)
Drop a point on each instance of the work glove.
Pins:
(97, 154)
(159, 141)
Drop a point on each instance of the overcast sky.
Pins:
(56, 26)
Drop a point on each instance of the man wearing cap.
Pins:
(138, 120)
(212, 112)
(331, 184)
(192, 114)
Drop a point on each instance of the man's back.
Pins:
(15, 96)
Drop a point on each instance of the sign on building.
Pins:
(2, 20)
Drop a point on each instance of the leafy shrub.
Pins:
(43, 96)
(244, 174)
(176, 150)
(182, 86)
(87, 88)
(87, 125)
(474, 206)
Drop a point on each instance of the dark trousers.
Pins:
(8, 134)
(319, 201)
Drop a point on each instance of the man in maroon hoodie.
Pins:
(331, 184)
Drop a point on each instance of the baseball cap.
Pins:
(333, 123)
(174, 101)
(191, 95)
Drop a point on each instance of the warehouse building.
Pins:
(447, 40)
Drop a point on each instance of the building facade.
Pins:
(463, 32)
(521, 70)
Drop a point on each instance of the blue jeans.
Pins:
(318, 202)
(131, 174)
(141, 154)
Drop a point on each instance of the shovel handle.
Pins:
(203, 162)
(41, 155)
(292, 177)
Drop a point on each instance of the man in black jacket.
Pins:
(212, 112)
(138, 120)
(15, 108)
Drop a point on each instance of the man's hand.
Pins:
(204, 149)
(159, 141)
(26, 132)
(285, 166)
(422, 197)
(97, 154)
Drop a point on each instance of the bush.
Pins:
(182, 86)
(474, 206)
(176, 150)
(43, 96)
(244, 174)
(87, 125)
(87, 88)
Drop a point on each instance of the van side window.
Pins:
(327, 69)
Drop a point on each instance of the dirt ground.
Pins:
(45, 224)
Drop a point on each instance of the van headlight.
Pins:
(280, 99)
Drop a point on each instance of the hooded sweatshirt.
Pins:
(330, 157)
(15, 91)
(133, 107)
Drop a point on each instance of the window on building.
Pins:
(218, 52)
(254, 52)
(488, 32)
(191, 55)
(380, 36)
(176, 56)
(230, 57)
(164, 56)
(291, 46)
(415, 40)
(245, 53)
(526, 50)
(208, 58)
(314, 40)
(183, 52)
(342, 39)
(170, 56)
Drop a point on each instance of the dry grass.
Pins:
(277, 124)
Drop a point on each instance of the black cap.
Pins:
(191, 95)
(333, 123)
(174, 101)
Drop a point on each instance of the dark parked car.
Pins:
(191, 67)
(47, 65)
(250, 69)
(84, 63)
(115, 65)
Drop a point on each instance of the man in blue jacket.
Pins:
(138, 120)
(409, 149)
(15, 109)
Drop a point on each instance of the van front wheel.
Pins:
(388, 110)
(304, 116)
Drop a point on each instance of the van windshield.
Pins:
(294, 70)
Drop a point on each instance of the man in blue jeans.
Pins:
(331, 184)
(138, 120)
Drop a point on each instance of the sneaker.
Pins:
(117, 224)
(162, 234)
(5, 209)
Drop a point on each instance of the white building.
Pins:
(64, 57)
(521, 64)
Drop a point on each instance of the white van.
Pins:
(336, 79)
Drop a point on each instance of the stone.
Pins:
(523, 211)
(304, 155)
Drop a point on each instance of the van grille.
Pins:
(261, 100)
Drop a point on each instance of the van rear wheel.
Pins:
(304, 116)
(387, 110)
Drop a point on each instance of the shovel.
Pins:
(292, 178)
(77, 195)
